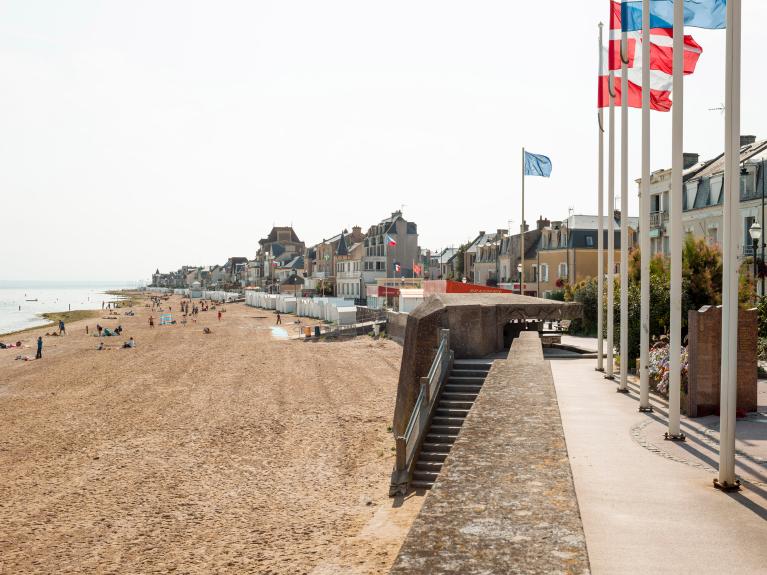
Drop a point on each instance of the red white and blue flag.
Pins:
(390, 241)
(661, 68)
(397, 268)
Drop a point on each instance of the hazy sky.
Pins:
(144, 134)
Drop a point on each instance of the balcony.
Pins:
(349, 275)
(657, 219)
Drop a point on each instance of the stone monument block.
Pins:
(705, 353)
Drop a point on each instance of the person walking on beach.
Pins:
(279, 319)
(99, 328)
(219, 315)
(62, 329)
(39, 348)
(151, 321)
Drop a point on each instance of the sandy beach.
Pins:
(234, 452)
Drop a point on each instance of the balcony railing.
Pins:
(657, 219)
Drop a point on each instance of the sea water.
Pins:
(18, 312)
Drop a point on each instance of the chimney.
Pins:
(542, 223)
(356, 230)
(691, 159)
(482, 232)
(747, 140)
(501, 233)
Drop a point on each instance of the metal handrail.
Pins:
(408, 443)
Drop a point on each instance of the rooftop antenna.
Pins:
(719, 108)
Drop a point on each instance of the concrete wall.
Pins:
(476, 323)
(504, 501)
(705, 356)
(396, 324)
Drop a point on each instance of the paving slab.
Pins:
(648, 506)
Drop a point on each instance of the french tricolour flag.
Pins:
(390, 241)
(661, 60)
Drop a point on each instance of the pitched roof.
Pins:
(342, 249)
(588, 222)
(272, 237)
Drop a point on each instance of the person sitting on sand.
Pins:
(130, 343)
(101, 346)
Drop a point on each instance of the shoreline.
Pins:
(131, 296)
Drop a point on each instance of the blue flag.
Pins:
(711, 14)
(537, 165)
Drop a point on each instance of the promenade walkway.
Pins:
(647, 505)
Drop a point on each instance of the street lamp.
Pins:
(755, 231)
(519, 271)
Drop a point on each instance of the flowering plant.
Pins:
(659, 368)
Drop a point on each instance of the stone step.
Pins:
(421, 484)
(429, 466)
(440, 420)
(451, 412)
(449, 405)
(458, 396)
(468, 373)
(439, 438)
(469, 380)
(463, 364)
(445, 429)
(419, 475)
(461, 388)
(433, 455)
(436, 447)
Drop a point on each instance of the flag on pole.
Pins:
(390, 241)
(661, 60)
(397, 268)
(417, 269)
(710, 14)
(537, 165)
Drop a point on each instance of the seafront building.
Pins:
(702, 202)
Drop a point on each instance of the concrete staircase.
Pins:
(456, 398)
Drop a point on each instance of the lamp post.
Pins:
(755, 231)
(519, 271)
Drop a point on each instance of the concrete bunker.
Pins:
(479, 324)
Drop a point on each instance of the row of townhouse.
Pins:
(232, 274)
(556, 252)
(344, 265)
(702, 201)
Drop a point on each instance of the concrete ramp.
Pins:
(504, 501)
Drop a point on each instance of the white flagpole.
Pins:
(644, 219)
(729, 373)
(677, 189)
(623, 384)
(522, 235)
(600, 223)
(611, 230)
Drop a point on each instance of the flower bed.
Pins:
(658, 368)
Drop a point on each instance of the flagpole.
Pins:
(677, 188)
(729, 370)
(611, 230)
(644, 219)
(522, 235)
(600, 222)
(624, 341)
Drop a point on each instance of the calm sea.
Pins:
(21, 303)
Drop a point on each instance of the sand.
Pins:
(234, 452)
